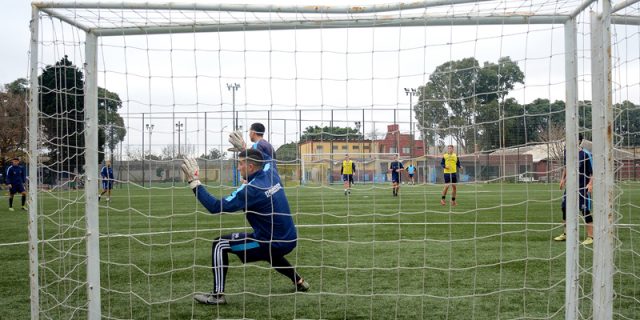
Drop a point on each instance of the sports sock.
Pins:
(453, 198)
(11, 202)
(24, 200)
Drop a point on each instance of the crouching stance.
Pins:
(266, 208)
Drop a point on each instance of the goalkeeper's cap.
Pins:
(16, 158)
(258, 128)
(252, 154)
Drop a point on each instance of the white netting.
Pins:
(375, 81)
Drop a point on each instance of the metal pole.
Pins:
(603, 185)
(91, 187)
(298, 148)
(233, 88)
(179, 126)
(150, 130)
(185, 135)
(33, 167)
(143, 178)
(206, 150)
(571, 132)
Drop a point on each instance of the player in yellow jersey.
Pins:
(347, 171)
(450, 163)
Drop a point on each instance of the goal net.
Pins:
(485, 98)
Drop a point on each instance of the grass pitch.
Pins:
(366, 256)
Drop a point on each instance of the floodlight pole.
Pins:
(179, 126)
(411, 92)
(33, 165)
(149, 128)
(233, 87)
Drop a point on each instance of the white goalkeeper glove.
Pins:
(191, 170)
(236, 140)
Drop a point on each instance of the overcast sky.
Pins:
(293, 72)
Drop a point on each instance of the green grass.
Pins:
(368, 256)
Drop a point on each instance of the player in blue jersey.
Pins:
(411, 171)
(585, 186)
(15, 179)
(256, 135)
(266, 208)
(107, 180)
(396, 169)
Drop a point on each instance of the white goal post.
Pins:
(67, 242)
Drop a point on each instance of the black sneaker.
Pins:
(302, 286)
(210, 298)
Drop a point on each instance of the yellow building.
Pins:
(336, 149)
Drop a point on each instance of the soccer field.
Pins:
(366, 256)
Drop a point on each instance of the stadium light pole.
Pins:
(233, 87)
(149, 128)
(179, 126)
(411, 92)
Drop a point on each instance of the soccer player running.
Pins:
(347, 171)
(411, 170)
(15, 180)
(450, 163)
(266, 209)
(107, 180)
(396, 169)
(585, 186)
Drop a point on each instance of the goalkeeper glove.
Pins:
(191, 170)
(236, 140)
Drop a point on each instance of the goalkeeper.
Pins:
(266, 208)
(256, 135)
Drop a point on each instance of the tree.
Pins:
(330, 133)
(112, 130)
(19, 86)
(459, 92)
(62, 107)
(287, 152)
(214, 154)
(627, 123)
(13, 120)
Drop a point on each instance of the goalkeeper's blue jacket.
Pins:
(16, 175)
(265, 205)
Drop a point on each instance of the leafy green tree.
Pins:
(287, 152)
(19, 86)
(458, 93)
(62, 107)
(13, 120)
(627, 123)
(214, 154)
(330, 133)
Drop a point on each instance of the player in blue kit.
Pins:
(15, 179)
(585, 186)
(256, 135)
(107, 180)
(396, 169)
(266, 208)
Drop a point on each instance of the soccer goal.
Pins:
(480, 96)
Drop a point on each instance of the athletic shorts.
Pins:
(395, 177)
(107, 185)
(248, 249)
(16, 188)
(347, 177)
(410, 175)
(450, 178)
(584, 201)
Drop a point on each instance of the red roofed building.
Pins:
(401, 143)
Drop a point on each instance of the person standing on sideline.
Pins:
(15, 179)
(585, 186)
(411, 170)
(266, 208)
(396, 169)
(451, 164)
(347, 170)
(107, 180)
